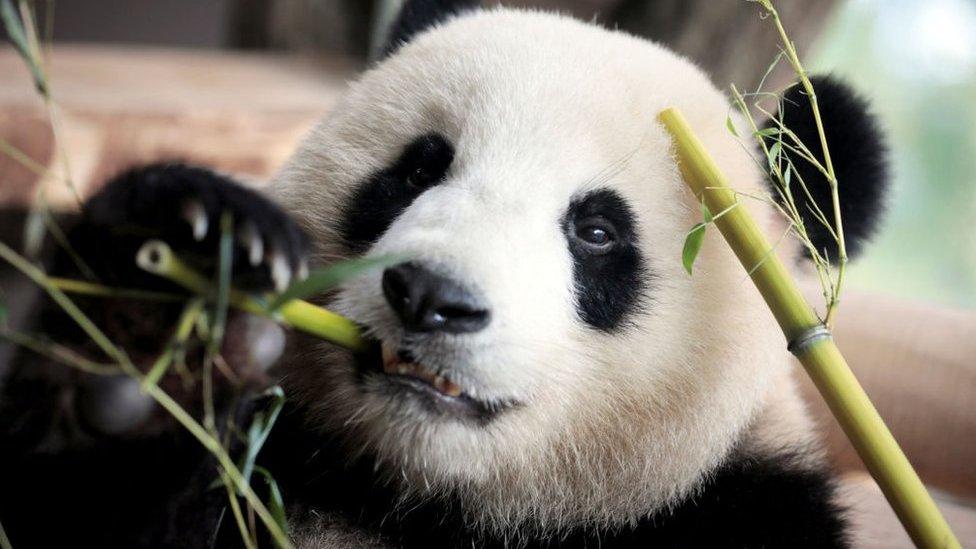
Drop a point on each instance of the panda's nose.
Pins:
(428, 302)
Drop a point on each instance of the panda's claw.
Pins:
(251, 239)
(196, 215)
(181, 205)
(280, 271)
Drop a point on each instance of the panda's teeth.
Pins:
(393, 364)
(447, 387)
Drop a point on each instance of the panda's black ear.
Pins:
(417, 16)
(859, 155)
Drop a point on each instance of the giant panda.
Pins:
(542, 372)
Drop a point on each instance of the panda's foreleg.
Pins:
(93, 450)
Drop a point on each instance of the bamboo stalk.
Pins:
(820, 357)
(156, 257)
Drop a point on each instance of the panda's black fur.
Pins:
(417, 16)
(151, 489)
(375, 204)
(859, 156)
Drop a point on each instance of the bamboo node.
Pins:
(799, 344)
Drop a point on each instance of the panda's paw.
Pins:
(184, 206)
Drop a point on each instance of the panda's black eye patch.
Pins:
(608, 271)
(379, 200)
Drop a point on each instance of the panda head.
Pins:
(541, 356)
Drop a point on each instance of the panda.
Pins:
(541, 373)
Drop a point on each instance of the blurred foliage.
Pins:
(917, 63)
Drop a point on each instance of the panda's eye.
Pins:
(424, 163)
(596, 235)
(419, 177)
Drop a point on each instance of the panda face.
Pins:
(541, 351)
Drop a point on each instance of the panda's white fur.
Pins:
(613, 426)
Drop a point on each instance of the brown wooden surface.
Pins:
(240, 113)
(244, 114)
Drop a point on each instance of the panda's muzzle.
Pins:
(426, 304)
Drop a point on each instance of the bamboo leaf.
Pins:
(34, 233)
(323, 279)
(15, 28)
(224, 268)
(768, 132)
(693, 244)
(276, 504)
(773, 154)
(731, 126)
(257, 433)
(706, 215)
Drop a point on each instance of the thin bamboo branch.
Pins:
(782, 187)
(236, 509)
(57, 130)
(794, 59)
(83, 287)
(58, 353)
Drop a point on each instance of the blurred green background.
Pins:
(917, 62)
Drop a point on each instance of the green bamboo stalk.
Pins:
(156, 257)
(819, 355)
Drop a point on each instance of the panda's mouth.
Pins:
(403, 376)
(400, 363)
